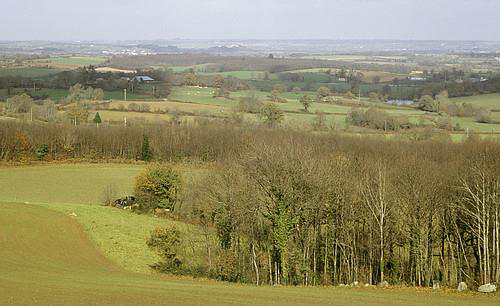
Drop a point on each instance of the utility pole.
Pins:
(125, 94)
(31, 114)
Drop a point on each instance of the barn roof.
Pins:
(143, 78)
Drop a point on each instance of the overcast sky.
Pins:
(247, 19)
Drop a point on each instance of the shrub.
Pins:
(97, 118)
(483, 116)
(444, 123)
(349, 95)
(146, 153)
(225, 267)
(306, 101)
(271, 114)
(274, 97)
(19, 104)
(157, 187)
(323, 92)
(377, 119)
(165, 242)
(427, 103)
(42, 151)
(250, 104)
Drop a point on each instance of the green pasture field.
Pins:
(317, 77)
(196, 68)
(170, 106)
(296, 106)
(490, 101)
(78, 60)
(37, 68)
(305, 120)
(65, 183)
(118, 116)
(312, 70)
(58, 94)
(77, 189)
(54, 94)
(203, 96)
(384, 76)
(139, 118)
(350, 58)
(29, 72)
(470, 123)
(80, 254)
(46, 258)
(242, 75)
(118, 95)
(71, 61)
(121, 235)
(199, 95)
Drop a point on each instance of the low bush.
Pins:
(157, 187)
(165, 242)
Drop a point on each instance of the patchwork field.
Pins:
(169, 106)
(490, 101)
(200, 95)
(68, 62)
(471, 124)
(44, 67)
(194, 68)
(80, 254)
(193, 103)
(29, 72)
(58, 94)
(132, 117)
(243, 74)
(368, 75)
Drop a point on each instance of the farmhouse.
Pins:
(417, 76)
(143, 79)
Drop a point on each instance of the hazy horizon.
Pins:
(229, 39)
(92, 20)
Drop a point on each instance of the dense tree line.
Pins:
(291, 207)
(299, 211)
(462, 88)
(378, 119)
(169, 141)
(235, 63)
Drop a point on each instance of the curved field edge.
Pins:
(120, 234)
(46, 258)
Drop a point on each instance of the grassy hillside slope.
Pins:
(46, 258)
(70, 183)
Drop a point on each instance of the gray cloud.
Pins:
(267, 19)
